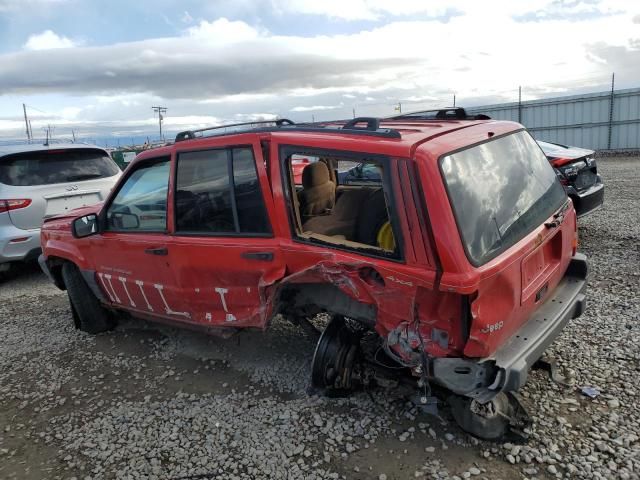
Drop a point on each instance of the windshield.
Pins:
(500, 191)
(49, 167)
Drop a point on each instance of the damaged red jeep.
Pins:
(451, 275)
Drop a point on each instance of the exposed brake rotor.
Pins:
(336, 358)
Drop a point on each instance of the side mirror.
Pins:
(124, 221)
(85, 226)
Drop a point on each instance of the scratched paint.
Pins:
(167, 308)
(140, 285)
(107, 284)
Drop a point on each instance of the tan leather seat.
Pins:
(343, 217)
(318, 195)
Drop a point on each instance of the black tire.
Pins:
(88, 315)
(8, 269)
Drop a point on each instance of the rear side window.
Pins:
(49, 167)
(218, 193)
(500, 191)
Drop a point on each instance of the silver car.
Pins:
(39, 181)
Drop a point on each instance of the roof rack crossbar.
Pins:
(447, 113)
(373, 124)
(190, 134)
(381, 132)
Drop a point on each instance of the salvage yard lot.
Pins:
(147, 401)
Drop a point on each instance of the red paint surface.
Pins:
(424, 292)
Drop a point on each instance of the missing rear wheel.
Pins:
(336, 359)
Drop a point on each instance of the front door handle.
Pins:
(264, 256)
(157, 251)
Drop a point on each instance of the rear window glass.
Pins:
(500, 191)
(43, 168)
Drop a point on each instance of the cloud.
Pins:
(315, 108)
(186, 17)
(212, 59)
(223, 31)
(375, 10)
(48, 40)
(572, 10)
(624, 60)
(227, 70)
(16, 5)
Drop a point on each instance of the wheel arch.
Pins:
(310, 299)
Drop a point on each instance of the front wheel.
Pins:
(88, 315)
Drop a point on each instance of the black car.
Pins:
(575, 167)
(577, 170)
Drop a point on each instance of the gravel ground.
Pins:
(152, 402)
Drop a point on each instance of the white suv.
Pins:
(40, 181)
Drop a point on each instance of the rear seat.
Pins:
(357, 216)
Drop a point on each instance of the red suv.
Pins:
(452, 274)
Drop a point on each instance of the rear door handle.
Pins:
(264, 256)
(157, 251)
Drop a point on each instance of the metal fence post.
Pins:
(611, 101)
(520, 104)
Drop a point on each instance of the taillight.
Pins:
(563, 180)
(14, 204)
(559, 162)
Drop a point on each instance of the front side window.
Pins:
(500, 191)
(218, 192)
(141, 203)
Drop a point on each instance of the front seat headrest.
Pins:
(315, 174)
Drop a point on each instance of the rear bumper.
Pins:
(588, 200)
(508, 368)
(568, 301)
(17, 244)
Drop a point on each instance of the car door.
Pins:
(132, 252)
(224, 254)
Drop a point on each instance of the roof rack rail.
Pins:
(191, 134)
(372, 128)
(448, 113)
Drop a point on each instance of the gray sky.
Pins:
(98, 67)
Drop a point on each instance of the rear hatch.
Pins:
(55, 181)
(513, 218)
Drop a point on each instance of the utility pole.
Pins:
(313, 118)
(354, 112)
(73, 134)
(160, 111)
(454, 99)
(399, 107)
(26, 122)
